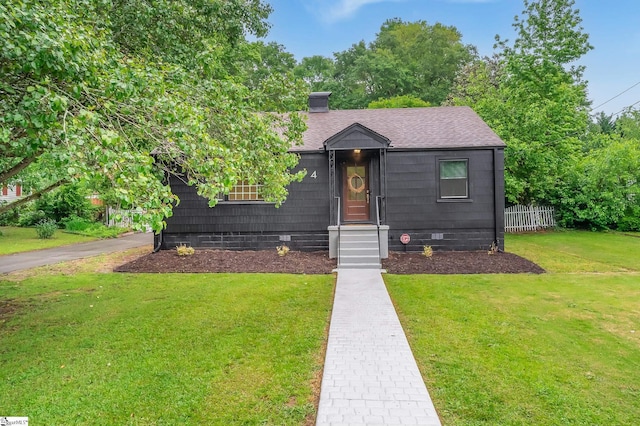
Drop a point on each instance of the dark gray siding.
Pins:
(301, 221)
(413, 205)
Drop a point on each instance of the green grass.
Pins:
(162, 349)
(578, 251)
(554, 349)
(17, 240)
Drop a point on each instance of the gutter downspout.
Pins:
(157, 239)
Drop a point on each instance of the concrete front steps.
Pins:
(359, 247)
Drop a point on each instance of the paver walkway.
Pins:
(370, 375)
(33, 259)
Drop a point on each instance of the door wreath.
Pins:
(359, 187)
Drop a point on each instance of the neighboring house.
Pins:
(11, 192)
(434, 174)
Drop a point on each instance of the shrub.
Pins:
(31, 217)
(46, 228)
(282, 250)
(427, 251)
(493, 248)
(184, 250)
(77, 224)
(10, 217)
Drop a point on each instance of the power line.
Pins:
(621, 93)
(636, 103)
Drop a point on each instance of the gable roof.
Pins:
(356, 136)
(405, 128)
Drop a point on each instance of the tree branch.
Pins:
(34, 196)
(23, 164)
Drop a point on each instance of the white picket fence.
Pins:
(528, 218)
(123, 218)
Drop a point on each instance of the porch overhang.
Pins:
(356, 136)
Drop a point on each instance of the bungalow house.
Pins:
(377, 180)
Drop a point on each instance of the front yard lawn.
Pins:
(554, 349)
(163, 348)
(17, 240)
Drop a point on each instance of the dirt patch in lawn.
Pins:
(472, 262)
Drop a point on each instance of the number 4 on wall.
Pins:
(314, 175)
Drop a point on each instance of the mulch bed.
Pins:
(470, 262)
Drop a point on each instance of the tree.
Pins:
(534, 98)
(602, 188)
(628, 124)
(406, 58)
(406, 101)
(605, 123)
(115, 94)
(317, 72)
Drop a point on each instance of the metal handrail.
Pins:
(338, 224)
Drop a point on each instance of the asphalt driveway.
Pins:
(33, 259)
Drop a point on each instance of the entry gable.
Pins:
(356, 136)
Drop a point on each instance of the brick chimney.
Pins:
(319, 101)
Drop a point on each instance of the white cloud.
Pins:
(336, 10)
(332, 11)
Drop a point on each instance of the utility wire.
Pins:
(621, 93)
(623, 109)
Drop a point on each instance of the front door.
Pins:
(355, 190)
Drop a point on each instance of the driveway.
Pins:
(33, 259)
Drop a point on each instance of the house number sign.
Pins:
(405, 238)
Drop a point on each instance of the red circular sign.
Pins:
(405, 238)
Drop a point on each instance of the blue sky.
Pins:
(322, 27)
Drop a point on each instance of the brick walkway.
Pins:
(370, 375)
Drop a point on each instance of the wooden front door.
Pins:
(355, 191)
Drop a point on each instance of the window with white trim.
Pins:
(454, 178)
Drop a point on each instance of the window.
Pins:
(454, 182)
(244, 191)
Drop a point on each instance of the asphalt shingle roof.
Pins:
(408, 128)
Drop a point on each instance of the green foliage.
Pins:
(76, 224)
(30, 217)
(46, 228)
(628, 124)
(9, 217)
(406, 59)
(82, 226)
(404, 101)
(317, 72)
(532, 96)
(66, 202)
(90, 89)
(602, 188)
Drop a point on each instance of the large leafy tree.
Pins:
(406, 59)
(533, 96)
(115, 94)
